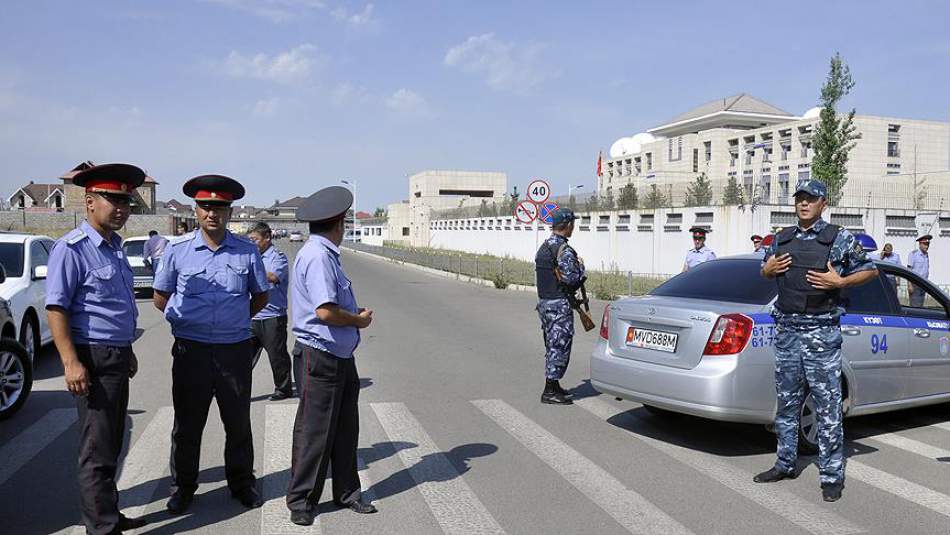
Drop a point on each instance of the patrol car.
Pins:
(701, 344)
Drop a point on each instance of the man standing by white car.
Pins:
(154, 247)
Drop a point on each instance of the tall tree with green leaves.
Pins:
(655, 199)
(699, 192)
(835, 136)
(379, 212)
(592, 204)
(483, 209)
(732, 195)
(608, 201)
(628, 199)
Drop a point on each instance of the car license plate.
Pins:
(649, 339)
(142, 284)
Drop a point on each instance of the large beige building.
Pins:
(897, 163)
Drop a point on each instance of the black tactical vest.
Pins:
(544, 262)
(795, 294)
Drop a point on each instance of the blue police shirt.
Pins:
(210, 290)
(845, 258)
(275, 262)
(919, 262)
(90, 278)
(695, 257)
(318, 279)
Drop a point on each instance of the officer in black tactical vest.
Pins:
(559, 273)
(812, 262)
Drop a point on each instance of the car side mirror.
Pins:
(39, 272)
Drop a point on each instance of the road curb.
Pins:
(444, 274)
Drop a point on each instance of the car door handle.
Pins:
(922, 333)
(850, 331)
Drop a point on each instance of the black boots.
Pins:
(774, 474)
(831, 492)
(554, 394)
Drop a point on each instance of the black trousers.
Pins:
(271, 335)
(326, 429)
(101, 428)
(199, 372)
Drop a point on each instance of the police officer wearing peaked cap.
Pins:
(209, 285)
(811, 262)
(699, 253)
(92, 314)
(327, 323)
(559, 272)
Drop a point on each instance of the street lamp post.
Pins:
(352, 184)
(570, 191)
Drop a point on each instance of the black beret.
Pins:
(118, 178)
(328, 203)
(213, 188)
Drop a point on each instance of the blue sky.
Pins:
(289, 96)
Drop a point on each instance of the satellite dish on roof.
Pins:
(812, 113)
(617, 149)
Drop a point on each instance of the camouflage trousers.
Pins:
(809, 355)
(557, 326)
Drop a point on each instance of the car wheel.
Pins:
(808, 425)
(30, 336)
(16, 377)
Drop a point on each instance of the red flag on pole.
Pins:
(600, 156)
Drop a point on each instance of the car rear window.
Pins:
(134, 247)
(733, 280)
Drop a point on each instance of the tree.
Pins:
(699, 192)
(494, 209)
(379, 212)
(732, 195)
(513, 199)
(483, 209)
(655, 199)
(834, 137)
(628, 199)
(592, 204)
(572, 202)
(608, 201)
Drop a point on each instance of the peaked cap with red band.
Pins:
(213, 188)
(115, 178)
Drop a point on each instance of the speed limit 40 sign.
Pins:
(538, 191)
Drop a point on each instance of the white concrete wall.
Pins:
(663, 247)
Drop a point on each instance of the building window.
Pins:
(893, 151)
(732, 159)
(707, 146)
(804, 175)
(785, 151)
(649, 161)
(748, 156)
(679, 149)
(695, 160)
(405, 231)
(805, 147)
(783, 188)
(766, 182)
(767, 155)
(747, 185)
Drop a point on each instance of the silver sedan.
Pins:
(701, 344)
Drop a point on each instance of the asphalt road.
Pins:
(453, 439)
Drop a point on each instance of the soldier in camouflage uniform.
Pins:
(559, 272)
(811, 262)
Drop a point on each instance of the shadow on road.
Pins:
(431, 468)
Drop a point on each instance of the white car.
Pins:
(24, 258)
(296, 236)
(142, 274)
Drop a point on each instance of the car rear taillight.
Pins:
(605, 323)
(730, 335)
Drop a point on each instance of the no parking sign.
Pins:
(546, 212)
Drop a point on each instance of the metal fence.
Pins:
(507, 271)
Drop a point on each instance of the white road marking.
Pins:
(30, 442)
(628, 508)
(278, 441)
(453, 503)
(802, 513)
(912, 492)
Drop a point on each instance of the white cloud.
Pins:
(287, 67)
(345, 93)
(265, 107)
(505, 66)
(356, 19)
(273, 10)
(407, 102)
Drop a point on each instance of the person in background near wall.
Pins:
(154, 247)
(756, 243)
(888, 256)
(919, 262)
(269, 326)
(699, 253)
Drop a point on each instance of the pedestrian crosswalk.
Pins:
(442, 490)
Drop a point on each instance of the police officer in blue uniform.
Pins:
(327, 323)
(811, 262)
(269, 326)
(209, 285)
(559, 272)
(92, 314)
(699, 253)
